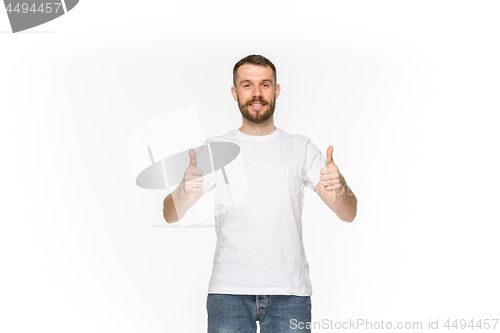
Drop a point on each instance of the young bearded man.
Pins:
(260, 271)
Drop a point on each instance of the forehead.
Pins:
(255, 73)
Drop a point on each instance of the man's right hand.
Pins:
(193, 180)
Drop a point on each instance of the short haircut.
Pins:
(254, 59)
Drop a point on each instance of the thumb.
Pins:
(329, 156)
(192, 158)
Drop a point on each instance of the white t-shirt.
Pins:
(258, 213)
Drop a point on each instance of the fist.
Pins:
(331, 179)
(193, 180)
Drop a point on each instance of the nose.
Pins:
(256, 93)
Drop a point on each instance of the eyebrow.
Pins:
(266, 80)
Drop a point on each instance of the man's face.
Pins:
(255, 92)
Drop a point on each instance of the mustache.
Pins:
(260, 100)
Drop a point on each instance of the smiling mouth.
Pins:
(257, 104)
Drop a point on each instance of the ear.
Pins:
(234, 93)
(277, 90)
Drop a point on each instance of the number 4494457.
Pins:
(471, 324)
(47, 7)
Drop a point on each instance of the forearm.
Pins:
(169, 212)
(177, 203)
(345, 206)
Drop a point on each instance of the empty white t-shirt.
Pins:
(258, 213)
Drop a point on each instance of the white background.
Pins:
(406, 92)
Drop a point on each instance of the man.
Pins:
(260, 270)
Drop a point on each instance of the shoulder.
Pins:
(303, 143)
(296, 138)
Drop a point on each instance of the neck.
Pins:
(250, 128)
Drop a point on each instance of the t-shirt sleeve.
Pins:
(204, 161)
(314, 161)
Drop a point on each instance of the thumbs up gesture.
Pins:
(331, 179)
(193, 180)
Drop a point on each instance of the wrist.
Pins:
(179, 193)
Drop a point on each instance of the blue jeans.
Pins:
(276, 313)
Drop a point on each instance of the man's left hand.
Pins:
(331, 179)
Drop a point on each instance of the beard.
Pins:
(257, 117)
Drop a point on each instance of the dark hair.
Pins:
(253, 59)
